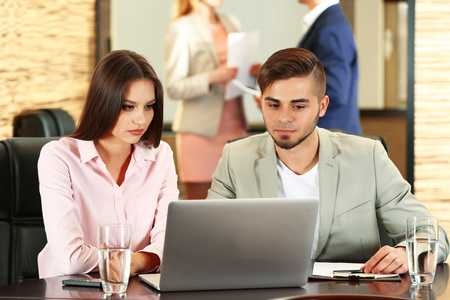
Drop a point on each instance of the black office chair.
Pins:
(43, 123)
(22, 233)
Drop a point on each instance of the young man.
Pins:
(357, 184)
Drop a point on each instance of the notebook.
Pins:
(236, 244)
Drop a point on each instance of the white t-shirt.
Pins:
(291, 185)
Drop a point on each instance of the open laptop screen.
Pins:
(237, 244)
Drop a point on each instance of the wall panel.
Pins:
(47, 55)
(432, 107)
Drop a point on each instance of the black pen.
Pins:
(349, 271)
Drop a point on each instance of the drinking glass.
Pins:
(422, 239)
(114, 257)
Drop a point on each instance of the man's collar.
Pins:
(314, 13)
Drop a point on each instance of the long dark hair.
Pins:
(106, 93)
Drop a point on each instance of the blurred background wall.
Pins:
(47, 54)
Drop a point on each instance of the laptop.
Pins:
(236, 244)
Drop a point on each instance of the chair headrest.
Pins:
(19, 178)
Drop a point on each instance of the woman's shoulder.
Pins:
(230, 22)
(183, 21)
(66, 146)
(180, 27)
(229, 17)
(62, 143)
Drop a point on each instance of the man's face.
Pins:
(291, 110)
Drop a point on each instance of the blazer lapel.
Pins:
(305, 38)
(202, 29)
(328, 178)
(266, 170)
(308, 35)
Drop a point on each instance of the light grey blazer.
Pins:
(190, 55)
(359, 186)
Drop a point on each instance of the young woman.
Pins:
(113, 169)
(197, 73)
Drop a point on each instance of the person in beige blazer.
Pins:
(356, 182)
(196, 75)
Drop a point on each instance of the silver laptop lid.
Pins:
(237, 244)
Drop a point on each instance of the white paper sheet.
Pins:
(326, 269)
(242, 53)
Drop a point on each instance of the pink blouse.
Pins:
(78, 194)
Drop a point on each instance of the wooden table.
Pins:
(52, 288)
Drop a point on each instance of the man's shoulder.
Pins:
(333, 19)
(256, 145)
(350, 142)
(334, 11)
(337, 134)
(252, 140)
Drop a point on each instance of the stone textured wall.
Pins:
(47, 55)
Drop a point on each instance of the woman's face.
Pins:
(212, 3)
(137, 112)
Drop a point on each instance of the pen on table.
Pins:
(349, 271)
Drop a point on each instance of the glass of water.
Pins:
(422, 238)
(114, 257)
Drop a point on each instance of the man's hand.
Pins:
(387, 260)
(258, 101)
(254, 69)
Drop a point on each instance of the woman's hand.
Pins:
(222, 74)
(143, 262)
(114, 268)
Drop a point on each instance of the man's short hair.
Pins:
(293, 62)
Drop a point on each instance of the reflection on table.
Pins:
(321, 289)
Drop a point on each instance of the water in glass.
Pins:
(114, 269)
